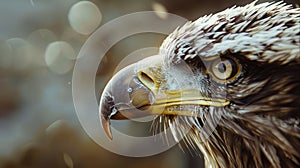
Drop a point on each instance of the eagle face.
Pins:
(235, 72)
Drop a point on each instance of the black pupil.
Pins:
(221, 67)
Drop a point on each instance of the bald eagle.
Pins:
(236, 73)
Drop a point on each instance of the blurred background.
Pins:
(39, 43)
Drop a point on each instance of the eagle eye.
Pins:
(225, 69)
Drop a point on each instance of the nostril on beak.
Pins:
(147, 80)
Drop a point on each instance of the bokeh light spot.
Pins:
(84, 17)
(59, 57)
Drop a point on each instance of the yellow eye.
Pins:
(225, 69)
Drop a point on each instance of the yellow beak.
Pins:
(149, 96)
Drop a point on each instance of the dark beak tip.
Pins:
(106, 126)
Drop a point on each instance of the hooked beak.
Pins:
(140, 90)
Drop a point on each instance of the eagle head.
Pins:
(234, 73)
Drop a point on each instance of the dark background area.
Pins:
(38, 123)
